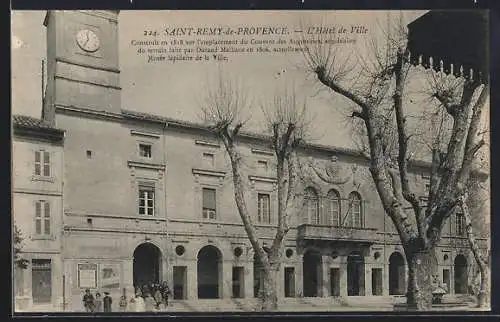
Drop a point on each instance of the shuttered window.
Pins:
(209, 203)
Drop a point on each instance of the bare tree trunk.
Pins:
(421, 267)
(269, 289)
(483, 295)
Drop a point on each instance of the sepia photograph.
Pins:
(170, 161)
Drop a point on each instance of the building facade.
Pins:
(140, 198)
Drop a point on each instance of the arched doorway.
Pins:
(147, 264)
(460, 267)
(311, 270)
(355, 274)
(397, 274)
(209, 273)
(257, 273)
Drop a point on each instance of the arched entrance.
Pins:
(460, 267)
(209, 273)
(147, 264)
(397, 274)
(355, 274)
(311, 270)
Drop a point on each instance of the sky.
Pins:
(176, 89)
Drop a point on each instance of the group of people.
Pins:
(147, 298)
(97, 303)
(150, 297)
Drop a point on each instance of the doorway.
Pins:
(460, 267)
(180, 282)
(355, 274)
(335, 282)
(376, 281)
(147, 269)
(397, 274)
(311, 273)
(209, 273)
(238, 282)
(289, 281)
(41, 280)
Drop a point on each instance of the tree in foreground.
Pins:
(222, 110)
(378, 89)
(19, 262)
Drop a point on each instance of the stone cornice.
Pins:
(262, 179)
(210, 173)
(144, 165)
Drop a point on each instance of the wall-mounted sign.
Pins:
(87, 275)
(110, 276)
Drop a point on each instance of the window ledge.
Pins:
(148, 217)
(42, 237)
(42, 178)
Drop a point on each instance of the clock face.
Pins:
(87, 40)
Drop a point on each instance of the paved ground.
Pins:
(350, 304)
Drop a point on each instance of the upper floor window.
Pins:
(354, 216)
(209, 203)
(209, 160)
(460, 224)
(42, 163)
(312, 205)
(333, 198)
(146, 200)
(42, 218)
(264, 213)
(262, 166)
(145, 150)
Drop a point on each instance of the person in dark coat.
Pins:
(166, 292)
(88, 301)
(107, 301)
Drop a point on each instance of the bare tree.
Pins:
(476, 202)
(287, 126)
(383, 78)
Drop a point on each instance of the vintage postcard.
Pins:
(250, 161)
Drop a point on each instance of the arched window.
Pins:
(333, 208)
(311, 205)
(354, 218)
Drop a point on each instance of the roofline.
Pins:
(168, 122)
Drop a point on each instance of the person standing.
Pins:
(98, 302)
(166, 292)
(158, 298)
(123, 303)
(88, 301)
(139, 303)
(149, 303)
(107, 302)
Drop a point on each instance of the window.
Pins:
(264, 213)
(209, 160)
(42, 218)
(145, 150)
(354, 217)
(312, 206)
(42, 163)
(262, 166)
(146, 200)
(460, 224)
(333, 198)
(209, 203)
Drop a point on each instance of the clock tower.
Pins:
(82, 62)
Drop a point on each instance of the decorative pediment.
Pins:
(330, 171)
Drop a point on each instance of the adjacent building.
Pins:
(134, 198)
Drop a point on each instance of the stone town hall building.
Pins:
(108, 198)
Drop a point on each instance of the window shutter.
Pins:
(37, 163)
(209, 199)
(46, 224)
(38, 217)
(46, 164)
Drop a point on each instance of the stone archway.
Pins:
(146, 264)
(461, 278)
(209, 268)
(397, 274)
